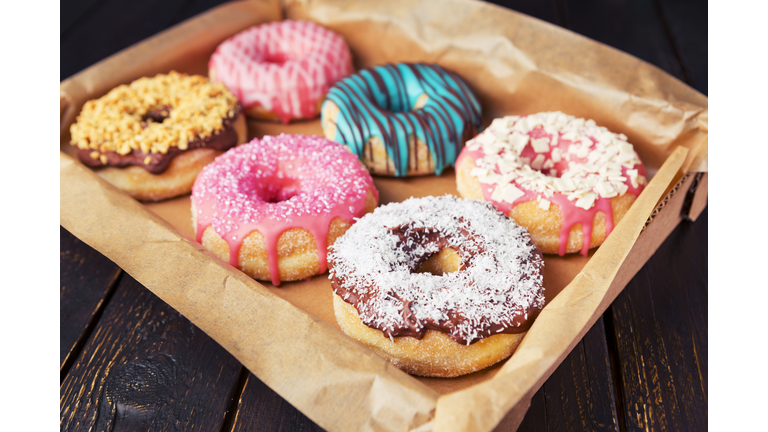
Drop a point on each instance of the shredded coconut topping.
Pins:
(153, 115)
(499, 284)
(552, 152)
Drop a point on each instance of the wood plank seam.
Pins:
(89, 328)
(616, 381)
(662, 362)
(702, 380)
(234, 405)
(596, 361)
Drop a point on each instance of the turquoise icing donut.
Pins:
(387, 102)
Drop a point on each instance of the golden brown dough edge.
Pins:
(544, 225)
(297, 257)
(176, 180)
(420, 161)
(435, 355)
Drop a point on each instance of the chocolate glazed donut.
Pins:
(480, 293)
(418, 245)
(152, 137)
(158, 162)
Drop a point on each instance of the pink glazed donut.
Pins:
(566, 180)
(281, 70)
(272, 207)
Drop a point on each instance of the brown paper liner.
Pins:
(287, 336)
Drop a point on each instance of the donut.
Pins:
(271, 207)
(439, 286)
(565, 179)
(402, 119)
(152, 137)
(281, 70)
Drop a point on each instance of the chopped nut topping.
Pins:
(153, 115)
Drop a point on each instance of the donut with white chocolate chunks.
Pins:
(565, 179)
(152, 137)
(281, 70)
(439, 286)
(272, 206)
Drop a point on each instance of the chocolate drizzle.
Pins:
(221, 140)
(379, 102)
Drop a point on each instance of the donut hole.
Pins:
(398, 105)
(445, 261)
(280, 195)
(538, 154)
(279, 52)
(279, 189)
(277, 58)
(157, 115)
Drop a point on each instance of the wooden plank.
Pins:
(261, 409)
(687, 23)
(87, 279)
(72, 11)
(660, 331)
(602, 402)
(146, 367)
(579, 395)
(543, 10)
(535, 419)
(120, 24)
(631, 26)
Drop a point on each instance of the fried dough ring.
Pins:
(544, 225)
(176, 180)
(297, 257)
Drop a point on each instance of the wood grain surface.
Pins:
(130, 362)
(146, 367)
(87, 280)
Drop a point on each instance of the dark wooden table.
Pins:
(131, 362)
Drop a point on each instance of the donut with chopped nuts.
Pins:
(152, 137)
(272, 206)
(566, 179)
(439, 286)
(281, 70)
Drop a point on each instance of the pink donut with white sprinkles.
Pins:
(273, 206)
(281, 70)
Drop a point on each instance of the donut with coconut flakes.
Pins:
(439, 286)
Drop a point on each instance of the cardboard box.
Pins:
(516, 64)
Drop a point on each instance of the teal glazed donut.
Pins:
(402, 119)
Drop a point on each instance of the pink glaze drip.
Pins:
(276, 184)
(570, 214)
(283, 66)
